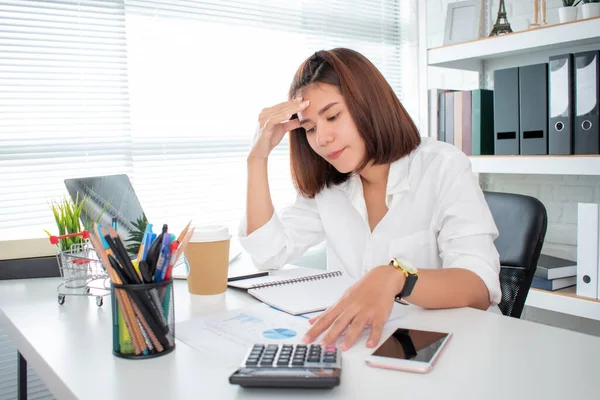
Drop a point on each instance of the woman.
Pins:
(403, 215)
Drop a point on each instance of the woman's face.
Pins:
(330, 130)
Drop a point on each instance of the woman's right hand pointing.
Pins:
(273, 123)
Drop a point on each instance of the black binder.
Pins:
(506, 111)
(560, 91)
(587, 118)
(533, 109)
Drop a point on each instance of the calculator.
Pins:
(290, 366)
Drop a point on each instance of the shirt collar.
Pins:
(397, 179)
(398, 176)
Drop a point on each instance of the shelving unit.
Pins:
(558, 38)
(549, 165)
(564, 301)
(519, 49)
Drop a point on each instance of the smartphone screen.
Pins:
(411, 344)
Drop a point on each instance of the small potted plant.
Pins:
(568, 12)
(590, 8)
(70, 218)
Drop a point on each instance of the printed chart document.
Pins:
(229, 335)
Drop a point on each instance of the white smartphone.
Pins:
(409, 350)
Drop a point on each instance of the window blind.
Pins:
(168, 92)
(64, 106)
(201, 71)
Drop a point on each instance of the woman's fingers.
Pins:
(291, 125)
(273, 117)
(357, 326)
(322, 322)
(338, 327)
(290, 104)
(375, 335)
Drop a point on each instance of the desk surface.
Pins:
(489, 357)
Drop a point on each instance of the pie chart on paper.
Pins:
(279, 334)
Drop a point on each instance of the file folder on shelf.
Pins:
(482, 122)
(506, 111)
(587, 97)
(560, 91)
(587, 250)
(533, 109)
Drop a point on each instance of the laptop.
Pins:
(113, 197)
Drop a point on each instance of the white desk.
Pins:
(489, 357)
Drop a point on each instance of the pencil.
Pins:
(183, 244)
(151, 334)
(122, 298)
(183, 232)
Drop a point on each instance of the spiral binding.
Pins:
(325, 275)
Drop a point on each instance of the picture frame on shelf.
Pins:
(463, 21)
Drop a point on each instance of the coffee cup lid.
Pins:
(210, 233)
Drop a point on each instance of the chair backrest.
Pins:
(522, 223)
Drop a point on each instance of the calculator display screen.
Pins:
(411, 344)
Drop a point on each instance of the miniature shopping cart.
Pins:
(82, 272)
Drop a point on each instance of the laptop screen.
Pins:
(111, 197)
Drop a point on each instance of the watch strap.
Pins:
(409, 285)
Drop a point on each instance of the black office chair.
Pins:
(522, 223)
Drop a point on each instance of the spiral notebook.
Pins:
(305, 294)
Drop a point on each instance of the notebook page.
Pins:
(306, 296)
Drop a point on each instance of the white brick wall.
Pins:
(560, 195)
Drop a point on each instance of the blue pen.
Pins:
(145, 243)
(163, 259)
(150, 236)
(104, 242)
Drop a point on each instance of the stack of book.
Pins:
(554, 273)
(466, 120)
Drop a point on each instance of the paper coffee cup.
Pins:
(207, 255)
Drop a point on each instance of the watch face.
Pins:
(408, 267)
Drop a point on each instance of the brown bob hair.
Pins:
(387, 130)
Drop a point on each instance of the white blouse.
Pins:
(437, 218)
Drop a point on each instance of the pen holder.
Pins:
(143, 320)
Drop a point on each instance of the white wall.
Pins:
(560, 194)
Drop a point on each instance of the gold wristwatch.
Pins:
(411, 274)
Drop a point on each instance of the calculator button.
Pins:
(297, 363)
(272, 347)
(251, 362)
(264, 362)
(283, 362)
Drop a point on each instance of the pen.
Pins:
(169, 270)
(123, 257)
(145, 238)
(242, 277)
(163, 258)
